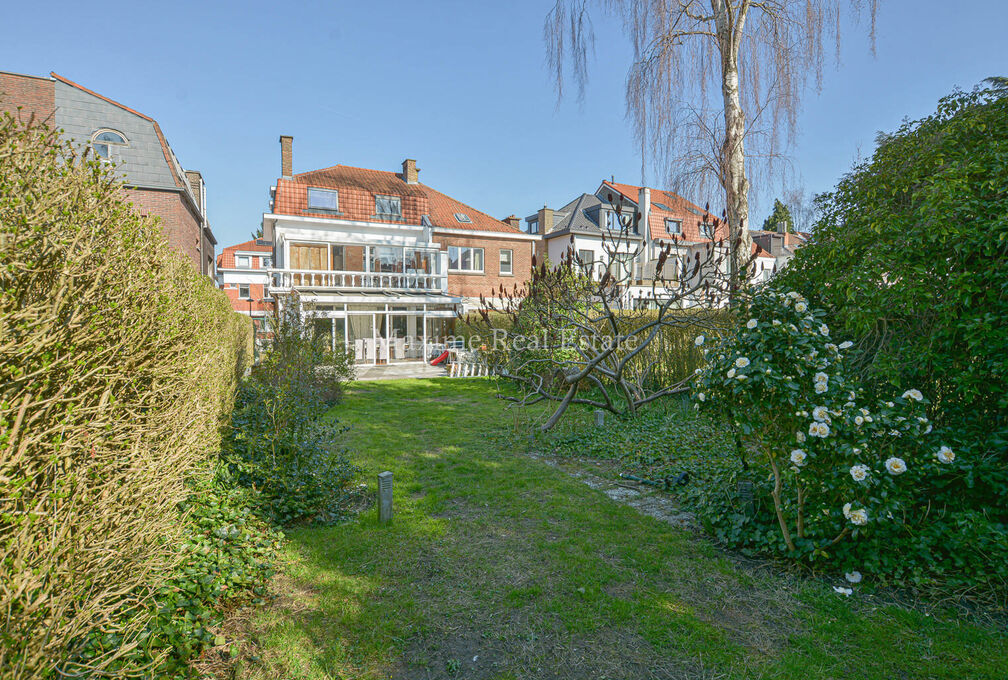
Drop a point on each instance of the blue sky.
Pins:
(461, 86)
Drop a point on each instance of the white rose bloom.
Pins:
(800, 307)
(858, 420)
(821, 377)
(820, 388)
(945, 455)
(798, 457)
(824, 330)
(701, 396)
(741, 362)
(846, 592)
(800, 436)
(895, 466)
(864, 411)
(699, 340)
(859, 472)
(859, 517)
(776, 322)
(852, 395)
(846, 510)
(853, 576)
(741, 376)
(831, 347)
(889, 404)
(846, 344)
(821, 413)
(751, 323)
(913, 394)
(731, 373)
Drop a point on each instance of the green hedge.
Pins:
(118, 366)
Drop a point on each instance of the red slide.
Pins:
(441, 358)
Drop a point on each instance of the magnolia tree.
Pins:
(840, 465)
(601, 332)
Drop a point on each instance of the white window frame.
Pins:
(678, 224)
(321, 190)
(393, 201)
(248, 291)
(510, 261)
(109, 146)
(470, 269)
(246, 258)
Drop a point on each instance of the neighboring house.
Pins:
(382, 262)
(780, 244)
(242, 274)
(589, 226)
(154, 178)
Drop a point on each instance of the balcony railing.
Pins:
(288, 279)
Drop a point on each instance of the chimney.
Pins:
(286, 156)
(545, 220)
(512, 221)
(644, 205)
(409, 171)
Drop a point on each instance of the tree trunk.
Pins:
(729, 23)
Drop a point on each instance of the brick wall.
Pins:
(34, 95)
(488, 283)
(178, 222)
(242, 304)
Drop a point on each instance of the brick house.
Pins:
(154, 179)
(242, 273)
(382, 262)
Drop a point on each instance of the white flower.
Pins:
(895, 466)
(859, 517)
(820, 387)
(699, 340)
(794, 294)
(751, 323)
(741, 376)
(945, 455)
(798, 457)
(852, 395)
(859, 472)
(821, 413)
(831, 347)
(846, 592)
(858, 420)
(817, 429)
(853, 576)
(731, 373)
(821, 377)
(776, 322)
(741, 362)
(913, 394)
(846, 510)
(846, 344)
(701, 396)
(800, 436)
(824, 330)
(800, 307)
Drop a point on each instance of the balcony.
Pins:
(285, 280)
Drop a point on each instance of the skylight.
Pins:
(462, 217)
(661, 206)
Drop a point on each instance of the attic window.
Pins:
(104, 141)
(661, 206)
(388, 206)
(462, 217)
(323, 199)
(673, 226)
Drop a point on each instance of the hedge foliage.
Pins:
(118, 364)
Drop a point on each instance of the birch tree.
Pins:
(714, 87)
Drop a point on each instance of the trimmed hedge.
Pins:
(118, 366)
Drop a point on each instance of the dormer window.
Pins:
(533, 226)
(323, 199)
(462, 217)
(104, 143)
(388, 206)
(707, 230)
(673, 226)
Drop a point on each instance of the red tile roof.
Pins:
(226, 258)
(690, 214)
(357, 189)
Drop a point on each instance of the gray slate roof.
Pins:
(580, 216)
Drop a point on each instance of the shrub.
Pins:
(851, 477)
(910, 260)
(118, 364)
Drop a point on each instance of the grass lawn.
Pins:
(498, 565)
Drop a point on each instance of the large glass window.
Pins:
(323, 199)
(104, 142)
(505, 261)
(388, 206)
(465, 259)
(387, 259)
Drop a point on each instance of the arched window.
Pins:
(104, 142)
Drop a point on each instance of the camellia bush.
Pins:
(841, 467)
